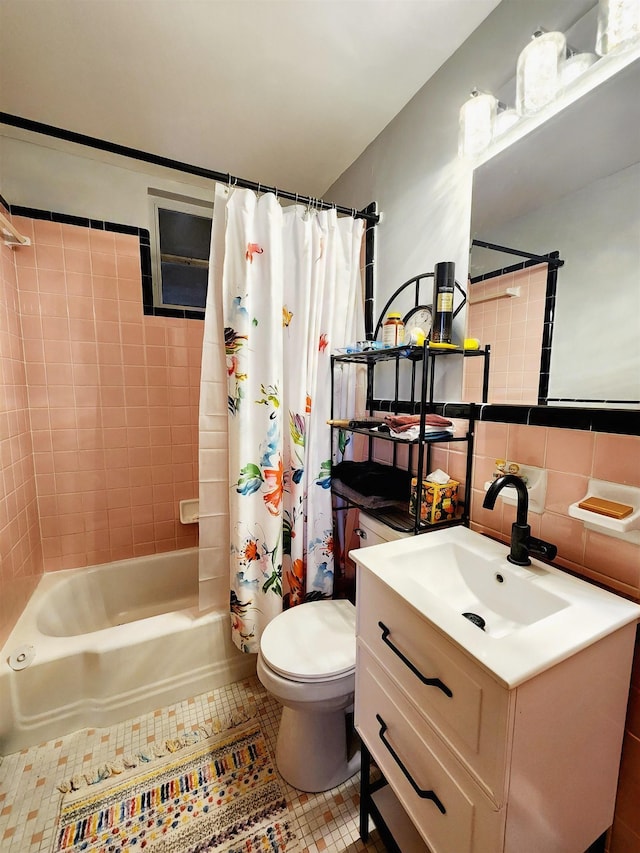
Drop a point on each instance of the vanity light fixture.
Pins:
(538, 71)
(477, 116)
(618, 25)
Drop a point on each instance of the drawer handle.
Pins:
(425, 795)
(431, 682)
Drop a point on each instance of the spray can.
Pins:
(444, 276)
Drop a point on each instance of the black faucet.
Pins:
(522, 542)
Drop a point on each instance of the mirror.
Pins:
(572, 185)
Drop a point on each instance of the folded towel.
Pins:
(373, 478)
(399, 423)
(411, 433)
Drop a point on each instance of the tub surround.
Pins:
(113, 398)
(21, 562)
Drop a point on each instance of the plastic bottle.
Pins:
(393, 330)
(444, 276)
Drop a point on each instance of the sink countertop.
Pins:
(572, 613)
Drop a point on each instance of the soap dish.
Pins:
(189, 511)
(622, 528)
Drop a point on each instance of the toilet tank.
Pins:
(372, 532)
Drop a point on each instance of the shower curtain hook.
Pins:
(258, 190)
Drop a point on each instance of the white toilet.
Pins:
(307, 661)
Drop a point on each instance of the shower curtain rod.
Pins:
(199, 171)
(547, 259)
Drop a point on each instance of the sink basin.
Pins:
(533, 616)
(470, 583)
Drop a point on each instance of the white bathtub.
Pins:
(112, 642)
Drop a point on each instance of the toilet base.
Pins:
(313, 750)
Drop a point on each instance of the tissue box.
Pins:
(439, 502)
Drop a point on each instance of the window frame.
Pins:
(181, 204)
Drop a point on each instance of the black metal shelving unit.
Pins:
(420, 363)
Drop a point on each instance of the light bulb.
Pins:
(476, 124)
(538, 71)
(505, 119)
(575, 66)
(618, 25)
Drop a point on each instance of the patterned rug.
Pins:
(219, 794)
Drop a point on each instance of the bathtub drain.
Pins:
(21, 657)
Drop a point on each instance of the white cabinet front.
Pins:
(449, 810)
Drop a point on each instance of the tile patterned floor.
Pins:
(29, 799)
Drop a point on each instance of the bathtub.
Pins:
(112, 642)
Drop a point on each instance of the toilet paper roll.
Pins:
(21, 657)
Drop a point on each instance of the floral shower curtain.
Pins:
(291, 294)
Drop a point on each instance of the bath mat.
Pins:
(218, 795)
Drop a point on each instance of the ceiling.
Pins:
(286, 92)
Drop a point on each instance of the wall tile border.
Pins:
(618, 421)
(145, 253)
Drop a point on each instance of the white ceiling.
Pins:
(287, 92)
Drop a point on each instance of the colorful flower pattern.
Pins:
(280, 502)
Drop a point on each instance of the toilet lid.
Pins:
(315, 641)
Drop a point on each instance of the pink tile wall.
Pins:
(571, 457)
(113, 397)
(513, 326)
(20, 550)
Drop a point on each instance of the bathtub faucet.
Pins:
(522, 542)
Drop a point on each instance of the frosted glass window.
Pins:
(180, 246)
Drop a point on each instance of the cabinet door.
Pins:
(468, 709)
(448, 808)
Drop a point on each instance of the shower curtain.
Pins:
(287, 280)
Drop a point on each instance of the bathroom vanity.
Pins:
(503, 739)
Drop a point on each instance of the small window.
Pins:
(180, 251)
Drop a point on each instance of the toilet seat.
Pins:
(312, 642)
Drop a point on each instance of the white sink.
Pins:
(469, 582)
(534, 616)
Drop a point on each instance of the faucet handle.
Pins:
(540, 548)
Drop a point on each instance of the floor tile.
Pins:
(29, 799)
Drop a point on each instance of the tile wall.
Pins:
(106, 397)
(20, 548)
(107, 400)
(571, 457)
(513, 326)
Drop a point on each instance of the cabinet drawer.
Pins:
(447, 807)
(462, 702)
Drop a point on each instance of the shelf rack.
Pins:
(420, 401)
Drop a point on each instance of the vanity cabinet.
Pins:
(473, 765)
